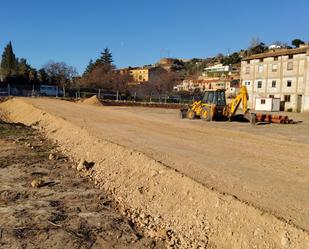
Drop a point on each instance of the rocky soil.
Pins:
(46, 203)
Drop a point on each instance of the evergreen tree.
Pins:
(23, 68)
(106, 58)
(90, 67)
(297, 42)
(105, 62)
(9, 62)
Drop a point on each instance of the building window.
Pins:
(261, 60)
(247, 70)
(290, 57)
(263, 101)
(271, 96)
(248, 62)
(247, 83)
(276, 58)
(274, 67)
(290, 65)
(259, 84)
(273, 84)
(287, 98)
(289, 83)
(260, 68)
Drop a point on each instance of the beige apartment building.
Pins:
(140, 75)
(280, 73)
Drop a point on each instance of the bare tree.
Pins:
(60, 74)
(162, 82)
(255, 41)
(103, 77)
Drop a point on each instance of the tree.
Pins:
(297, 42)
(23, 68)
(255, 41)
(8, 62)
(99, 77)
(256, 47)
(104, 64)
(261, 48)
(60, 74)
(43, 76)
(33, 75)
(121, 81)
(232, 59)
(102, 74)
(162, 81)
(89, 67)
(106, 57)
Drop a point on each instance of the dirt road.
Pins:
(67, 211)
(259, 165)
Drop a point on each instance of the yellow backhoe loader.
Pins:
(213, 106)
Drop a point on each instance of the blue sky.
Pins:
(139, 32)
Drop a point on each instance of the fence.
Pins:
(5, 91)
(17, 91)
(102, 94)
(150, 98)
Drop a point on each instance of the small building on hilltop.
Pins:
(139, 75)
(280, 73)
(142, 75)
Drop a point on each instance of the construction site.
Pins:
(178, 182)
(154, 124)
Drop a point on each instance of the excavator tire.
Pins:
(191, 114)
(206, 114)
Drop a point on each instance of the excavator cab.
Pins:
(215, 97)
(215, 104)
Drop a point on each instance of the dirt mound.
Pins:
(92, 101)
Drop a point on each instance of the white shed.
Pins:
(267, 104)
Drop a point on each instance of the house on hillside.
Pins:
(214, 77)
(142, 75)
(223, 77)
(280, 73)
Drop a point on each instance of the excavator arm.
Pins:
(242, 97)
